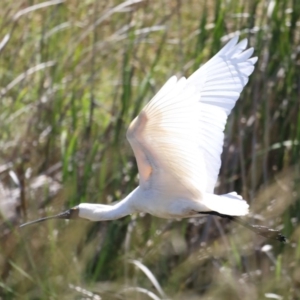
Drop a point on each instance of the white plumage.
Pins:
(178, 137)
(177, 140)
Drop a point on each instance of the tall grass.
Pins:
(73, 74)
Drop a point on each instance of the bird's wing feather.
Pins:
(219, 83)
(164, 138)
(177, 138)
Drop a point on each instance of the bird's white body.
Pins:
(147, 201)
(177, 140)
(159, 205)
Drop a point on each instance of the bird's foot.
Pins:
(269, 233)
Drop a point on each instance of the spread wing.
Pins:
(164, 138)
(220, 82)
(177, 138)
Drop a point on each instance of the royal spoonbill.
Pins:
(177, 140)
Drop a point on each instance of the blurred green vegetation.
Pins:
(73, 74)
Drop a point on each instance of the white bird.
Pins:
(177, 140)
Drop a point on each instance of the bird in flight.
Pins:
(177, 140)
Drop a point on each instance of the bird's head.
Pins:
(97, 212)
(92, 212)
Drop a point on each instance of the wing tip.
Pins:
(253, 60)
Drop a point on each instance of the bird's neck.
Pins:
(102, 212)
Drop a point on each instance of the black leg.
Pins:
(261, 230)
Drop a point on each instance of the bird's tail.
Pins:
(230, 204)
